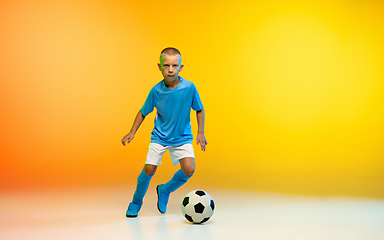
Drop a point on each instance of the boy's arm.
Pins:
(136, 124)
(200, 138)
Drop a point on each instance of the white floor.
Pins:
(100, 214)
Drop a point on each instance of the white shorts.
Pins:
(156, 151)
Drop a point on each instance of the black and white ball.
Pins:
(197, 206)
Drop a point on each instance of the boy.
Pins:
(173, 98)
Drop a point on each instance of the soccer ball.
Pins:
(197, 206)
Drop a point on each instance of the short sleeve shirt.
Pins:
(172, 122)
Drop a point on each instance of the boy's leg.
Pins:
(179, 178)
(142, 186)
(155, 153)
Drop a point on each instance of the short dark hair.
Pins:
(170, 51)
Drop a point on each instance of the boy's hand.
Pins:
(200, 138)
(129, 137)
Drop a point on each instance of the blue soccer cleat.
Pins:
(162, 199)
(133, 210)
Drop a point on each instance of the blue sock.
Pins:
(176, 181)
(141, 188)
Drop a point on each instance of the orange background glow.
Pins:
(293, 92)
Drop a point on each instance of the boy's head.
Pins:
(170, 64)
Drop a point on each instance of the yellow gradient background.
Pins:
(293, 92)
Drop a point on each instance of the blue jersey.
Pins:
(172, 122)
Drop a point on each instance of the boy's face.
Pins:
(170, 66)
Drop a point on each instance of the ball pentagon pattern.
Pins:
(197, 206)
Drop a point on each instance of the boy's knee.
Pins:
(150, 169)
(189, 171)
(188, 166)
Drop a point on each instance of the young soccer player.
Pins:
(173, 98)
